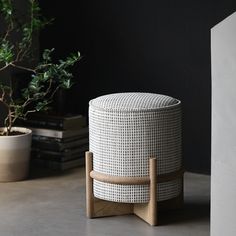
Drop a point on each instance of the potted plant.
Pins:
(47, 78)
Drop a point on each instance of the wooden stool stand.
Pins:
(100, 208)
(146, 211)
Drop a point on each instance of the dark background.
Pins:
(131, 45)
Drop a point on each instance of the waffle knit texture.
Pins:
(125, 130)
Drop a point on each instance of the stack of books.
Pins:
(58, 142)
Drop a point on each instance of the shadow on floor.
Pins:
(42, 172)
(192, 211)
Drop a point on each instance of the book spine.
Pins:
(57, 156)
(54, 145)
(60, 124)
(58, 140)
(62, 134)
(44, 124)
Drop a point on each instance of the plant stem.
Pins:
(17, 66)
(22, 67)
(4, 67)
(8, 119)
(9, 122)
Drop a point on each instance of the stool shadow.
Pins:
(191, 212)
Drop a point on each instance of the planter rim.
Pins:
(24, 130)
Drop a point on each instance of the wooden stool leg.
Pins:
(152, 205)
(99, 208)
(148, 211)
(89, 185)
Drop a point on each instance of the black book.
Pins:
(59, 140)
(41, 120)
(59, 134)
(57, 146)
(67, 154)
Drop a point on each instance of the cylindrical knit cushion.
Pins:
(125, 130)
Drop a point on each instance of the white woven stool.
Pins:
(134, 164)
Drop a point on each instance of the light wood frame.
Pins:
(147, 211)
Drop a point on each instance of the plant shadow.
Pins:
(37, 172)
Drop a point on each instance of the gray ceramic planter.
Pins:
(15, 155)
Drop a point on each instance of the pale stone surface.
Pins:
(223, 185)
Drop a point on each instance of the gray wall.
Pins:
(223, 185)
(143, 46)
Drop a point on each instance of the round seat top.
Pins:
(135, 101)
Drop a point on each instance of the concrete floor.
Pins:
(52, 204)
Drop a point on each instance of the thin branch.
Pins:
(3, 94)
(8, 120)
(22, 67)
(18, 54)
(5, 104)
(26, 51)
(30, 111)
(27, 102)
(4, 67)
(52, 95)
(20, 58)
(9, 29)
(49, 87)
(14, 119)
(17, 66)
(45, 65)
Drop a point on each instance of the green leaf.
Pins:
(6, 52)
(47, 54)
(66, 84)
(41, 105)
(6, 9)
